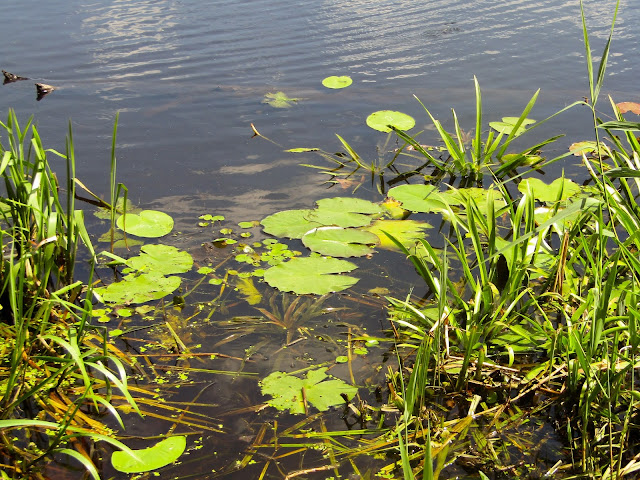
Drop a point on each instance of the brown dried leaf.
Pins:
(625, 107)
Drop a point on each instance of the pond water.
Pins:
(189, 76)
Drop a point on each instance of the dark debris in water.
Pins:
(43, 90)
(10, 77)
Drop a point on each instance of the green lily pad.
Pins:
(148, 224)
(405, 231)
(481, 197)
(289, 223)
(287, 391)
(160, 455)
(349, 204)
(162, 260)
(139, 288)
(381, 120)
(340, 242)
(317, 275)
(336, 218)
(337, 82)
(507, 125)
(559, 189)
(279, 100)
(418, 198)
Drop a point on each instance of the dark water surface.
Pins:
(188, 78)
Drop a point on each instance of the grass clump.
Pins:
(56, 369)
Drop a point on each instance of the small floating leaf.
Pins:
(160, 455)
(311, 275)
(507, 125)
(337, 82)
(340, 242)
(381, 120)
(279, 100)
(302, 149)
(292, 393)
(148, 224)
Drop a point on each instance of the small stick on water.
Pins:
(256, 133)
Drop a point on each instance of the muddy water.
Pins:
(188, 78)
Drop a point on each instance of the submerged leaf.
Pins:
(340, 242)
(307, 275)
(292, 393)
(248, 290)
(279, 100)
(160, 455)
(382, 120)
(337, 82)
(148, 224)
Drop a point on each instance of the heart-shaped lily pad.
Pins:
(381, 120)
(287, 391)
(418, 198)
(337, 82)
(306, 275)
(161, 259)
(148, 224)
(340, 242)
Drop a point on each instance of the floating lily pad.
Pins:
(139, 288)
(160, 455)
(381, 120)
(336, 218)
(480, 196)
(559, 189)
(349, 204)
(418, 198)
(148, 224)
(287, 391)
(507, 125)
(337, 82)
(161, 259)
(406, 232)
(279, 100)
(317, 275)
(340, 242)
(289, 223)
(586, 147)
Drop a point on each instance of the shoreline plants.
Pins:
(518, 359)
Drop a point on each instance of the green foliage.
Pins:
(294, 394)
(337, 82)
(339, 242)
(418, 198)
(163, 453)
(148, 224)
(387, 120)
(311, 275)
(560, 189)
(162, 260)
(279, 100)
(139, 288)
